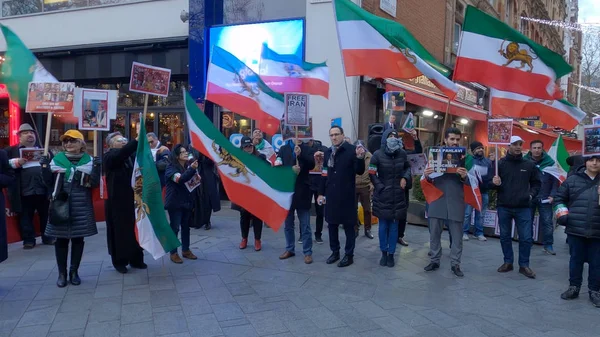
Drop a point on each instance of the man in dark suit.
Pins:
(391, 124)
(300, 157)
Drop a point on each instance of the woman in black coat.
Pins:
(390, 173)
(576, 207)
(7, 178)
(71, 176)
(211, 199)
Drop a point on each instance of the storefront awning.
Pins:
(434, 101)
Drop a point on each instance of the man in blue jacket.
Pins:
(543, 202)
(483, 166)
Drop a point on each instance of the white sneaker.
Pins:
(465, 237)
(481, 238)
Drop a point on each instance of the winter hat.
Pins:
(475, 145)
(245, 141)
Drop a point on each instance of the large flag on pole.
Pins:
(233, 85)
(154, 233)
(250, 182)
(496, 55)
(559, 113)
(289, 71)
(20, 67)
(377, 47)
(558, 152)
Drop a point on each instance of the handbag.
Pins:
(58, 212)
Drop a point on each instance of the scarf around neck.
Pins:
(260, 145)
(545, 161)
(392, 145)
(334, 149)
(63, 163)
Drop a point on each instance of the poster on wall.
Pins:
(296, 109)
(150, 80)
(500, 131)
(45, 97)
(591, 140)
(95, 108)
(304, 132)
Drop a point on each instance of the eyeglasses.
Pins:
(335, 134)
(70, 140)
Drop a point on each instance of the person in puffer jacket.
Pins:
(576, 207)
(389, 171)
(179, 201)
(71, 175)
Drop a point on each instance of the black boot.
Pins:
(390, 261)
(383, 260)
(61, 251)
(76, 254)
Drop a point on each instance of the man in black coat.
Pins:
(119, 208)
(300, 157)
(6, 179)
(29, 193)
(576, 207)
(341, 163)
(211, 199)
(315, 182)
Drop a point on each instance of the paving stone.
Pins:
(28, 331)
(136, 312)
(105, 309)
(104, 329)
(143, 329)
(323, 318)
(169, 322)
(204, 326)
(227, 311)
(70, 321)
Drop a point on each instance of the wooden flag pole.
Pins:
(145, 105)
(442, 136)
(47, 135)
(497, 159)
(95, 143)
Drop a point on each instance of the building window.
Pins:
(508, 12)
(456, 39)
(493, 3)
(28, 7)
(524, 25)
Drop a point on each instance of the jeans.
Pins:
(545, 226)
(522, 218)
(584, 250)
(290, 235)
(180, 218)
(479, 216)
(388, 235)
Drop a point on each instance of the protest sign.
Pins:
(446, 159)
(150, 80)
(95, 108)
(32, 155)
(289, 132)
(409, 123)
(591, 140)
(296, 109)
(500, 131)
(50, 97)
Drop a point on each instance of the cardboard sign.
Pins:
(95, 108)
(289, 132)
(591, 140)
(150, 80)
(296, 109)
(500, 131)
(446, 159)
(50, 97)
(418, 163)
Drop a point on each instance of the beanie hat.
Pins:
(475, 145)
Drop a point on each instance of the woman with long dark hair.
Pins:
(70, 178)
(179, 201)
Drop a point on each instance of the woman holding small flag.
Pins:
(71, 176)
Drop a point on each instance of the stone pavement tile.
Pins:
(277, 277)
(8, 282)
(352, 318)
(169, 322)
(105, 309)
(267, 323)
(67, 333)
(163, 298)
(467, 330)
(369, 309)
(39, 315)
(410, 317)
(51, 292)
(210, 281)
(143, 329)
(28, 331)
(233, 322)
(183, 334)
(104, 329)
(110, 290)
(70, 320)
(240, 288)
(10, 310)
(323, 318)
(333, 302)
(195, 304)
(218, 295)
(137, 278)
(240, 331)
(6, 326)
(303, 301)
(341, 332)
(187, 285)
(15, 271)
(302, 327)
(21, 292)
(227, 311)
(161, 283)
(375, 333)
(394, 326)
(204, 326)
(441, 319)
(77, 302)
(136, 295)
(36, 275)
(136, 312)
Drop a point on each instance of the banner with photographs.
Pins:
(150, 80)
(591, 140)
(50, 97)
(95, 108)
(500, 131)
(296, 109)
(395, 104)
(446, 159)
(304, 132)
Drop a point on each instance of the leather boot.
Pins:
(61, 251)
(76, 254)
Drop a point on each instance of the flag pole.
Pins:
(145, 106)
(296, 144)
(95, 143)
(444, 124)
(47, 135)
(496, 159)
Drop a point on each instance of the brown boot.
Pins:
(257, 245)
(286, 255)
(176, 259)
(189, 255)
(244, 243)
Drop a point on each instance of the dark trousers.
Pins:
(247, 220)
(61, 249)
(584, 250)
(364, 196)
(136, 258)
(180, 218)
(334, 240)
(319, 213)
(402, 223)
(32, 203)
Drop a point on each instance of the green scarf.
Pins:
(61, 163)
(260, 145)
(546, 161)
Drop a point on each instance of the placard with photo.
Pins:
(446, 159)
(500, 131)
(147, 79)
(44, 97)
(591, 140)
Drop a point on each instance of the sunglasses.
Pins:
(70, 140)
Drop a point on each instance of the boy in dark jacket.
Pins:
(518, 183)
(486, 172)
(576, 207)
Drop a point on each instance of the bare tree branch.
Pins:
(590, 71)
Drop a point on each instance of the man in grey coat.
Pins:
(448, 209)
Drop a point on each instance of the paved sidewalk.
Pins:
(228, 292)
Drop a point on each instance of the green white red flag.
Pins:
(377, 47)
(496, 55)
(249, 181)
(558, 152)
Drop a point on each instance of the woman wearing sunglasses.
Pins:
(70, 177)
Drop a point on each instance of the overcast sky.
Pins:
(589, 11)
